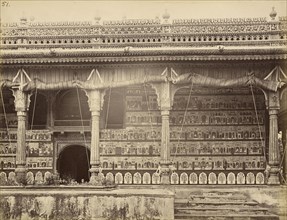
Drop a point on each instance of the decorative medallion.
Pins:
(202, 178)
(155, 178)
(240, 178)
(260, 178)
(221, 178)
(110, 177)
(231, 178)
(250, 178)
(146, 178)
(39, 178)
(183, 178)
(128, 179)
(212, 178)
(174, 178)
(193, 179)
(119, 178)
(137, 178)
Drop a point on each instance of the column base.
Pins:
(96, 176)
(273, 178)
(21, 175)
(165, 179)
(165, 171)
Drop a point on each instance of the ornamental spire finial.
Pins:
(23, 19)
(97, 18)
(166, 16)
(273, 13)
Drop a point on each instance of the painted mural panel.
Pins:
(39, 150)
(216, 134)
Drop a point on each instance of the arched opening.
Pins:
(8, 116)
(73, 163)
(113, 110)
(38, 112)
(71, 108)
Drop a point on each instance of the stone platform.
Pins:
(62, 203)
(231, 203)
(145, 202)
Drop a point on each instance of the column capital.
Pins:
(165, 93)
(22, 100)
(95, 100)
(165, 112)
(273, 100)
(273, 112)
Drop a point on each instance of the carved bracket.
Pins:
(165, 91)
(273, 100)
(95, 99)
(22, 100)
(278, 75)
(164, 95)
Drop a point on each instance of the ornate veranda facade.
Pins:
(145, 101)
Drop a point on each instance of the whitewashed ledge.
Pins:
(85, 203)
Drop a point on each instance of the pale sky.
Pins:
(51, 10)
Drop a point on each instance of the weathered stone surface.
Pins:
(86, 203)
(232, 203)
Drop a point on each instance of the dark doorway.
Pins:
(73, 163)
(114, 109)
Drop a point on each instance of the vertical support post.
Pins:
(285, 156)
(165, 147)
(274, 152)
(165, 153)
(22, 102)
(95, 103)
(51, 98)
(164, 95)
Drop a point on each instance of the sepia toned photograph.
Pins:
(143, 110)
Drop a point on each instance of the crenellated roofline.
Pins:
(227, 38)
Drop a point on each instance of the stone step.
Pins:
(180, 202)
(221, 212)
(240, 216)
(234, 208)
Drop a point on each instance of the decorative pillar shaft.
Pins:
(21, 142)
(285, 154)
(21, 106)
(274, 152)
(51, 109)
(165, 137)
(165, 148)
(164, 95)
(95, 107)
(95, 141)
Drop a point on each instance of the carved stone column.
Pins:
(22, 102)
(285, 155)
(164, 95)
(95, 107)
(51, 98)
(165, 148)
(274, 152)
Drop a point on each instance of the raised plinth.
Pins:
(87, 202)
(231, 202)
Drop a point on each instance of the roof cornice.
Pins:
(130, 54)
